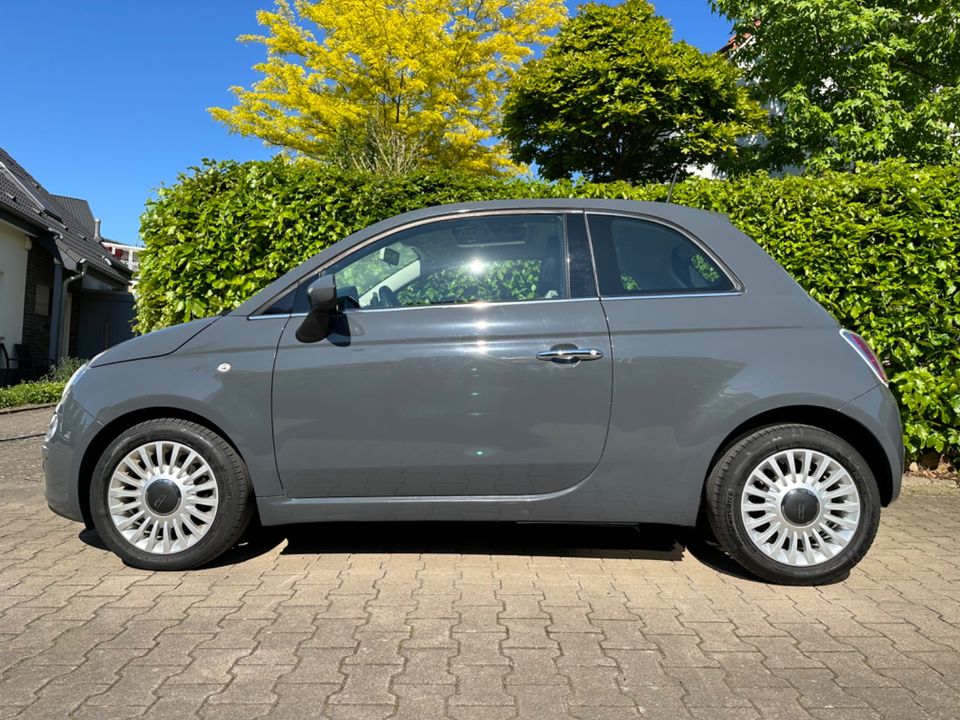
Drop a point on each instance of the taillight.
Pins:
(864, 351)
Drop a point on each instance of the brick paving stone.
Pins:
(746, 670)
(474, 712)
(534, 666)
(658, 702)
(521, 606)
(423, 666)
(851, 670)
(427, 633)
(682, 651)
(515, 629)
(527, 633)
(422, 702)
(540, 701)
(321, 665)
(570, 620)
(208, 665)
(580, 650)
(301, 702)
(776, 703)
(20, 686)
(100, 665)
(819, 689)
(136, 685)
(706, 688)
(480, 649)
(597, 687)
(623, 635)
(247, 711)
(366, 685)
(378, 648)
(481, 685)
(253, 684)
(181, 700)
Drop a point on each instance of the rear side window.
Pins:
(639, 257)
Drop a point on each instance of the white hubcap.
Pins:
(163, 497)
(800, 507)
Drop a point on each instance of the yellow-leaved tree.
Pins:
(390, 86)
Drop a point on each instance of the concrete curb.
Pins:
(937, 482)
(25, 408)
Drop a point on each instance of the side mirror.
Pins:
(322, 293)
(322, 296)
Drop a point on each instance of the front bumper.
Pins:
(62, 453)
(877, 411)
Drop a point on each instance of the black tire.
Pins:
(729, 475)
(235, 504)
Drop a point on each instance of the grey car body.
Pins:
(444, 412)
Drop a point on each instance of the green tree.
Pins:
(614, 98)
(389, 86)
(852, 81)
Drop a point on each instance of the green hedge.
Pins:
(878, 248)
(31, 393)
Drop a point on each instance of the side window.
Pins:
(493, 258)
(638, 257)
(282, 305)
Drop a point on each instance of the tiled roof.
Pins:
(80, 209)
(26, 198)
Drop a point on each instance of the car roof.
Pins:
(658, 209)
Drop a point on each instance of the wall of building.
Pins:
(13, 270)
(70, 347)
(38, 301)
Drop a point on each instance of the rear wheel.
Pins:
(170, 494)
(793, 504)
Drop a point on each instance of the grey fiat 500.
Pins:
(563, 361)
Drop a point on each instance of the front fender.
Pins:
(222, 376)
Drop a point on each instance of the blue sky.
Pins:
(107, 100)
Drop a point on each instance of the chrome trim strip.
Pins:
(442, 306)
(651, 296)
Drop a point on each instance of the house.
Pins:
(775, 107)
(129, 255)
(62, 293)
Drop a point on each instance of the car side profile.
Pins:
(555, 361)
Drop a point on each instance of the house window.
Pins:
(41, 305)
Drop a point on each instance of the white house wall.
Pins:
(14, 247)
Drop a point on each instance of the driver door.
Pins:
(441, 376)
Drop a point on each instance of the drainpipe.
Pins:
(60, 288)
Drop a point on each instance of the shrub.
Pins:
(877, 248)
(64, 368)
(41, 392)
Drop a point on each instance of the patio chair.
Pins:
(25, 366)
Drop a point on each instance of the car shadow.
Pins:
(644, 542)
(653, 542)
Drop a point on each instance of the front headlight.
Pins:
(52, 427)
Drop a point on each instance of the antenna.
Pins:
(673, 182)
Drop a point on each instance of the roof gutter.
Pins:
(61, 294)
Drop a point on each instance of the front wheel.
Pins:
(794, 504)
(169, 494)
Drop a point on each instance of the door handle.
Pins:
(570, 354)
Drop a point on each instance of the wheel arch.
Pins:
(827, 419)
(124, 422)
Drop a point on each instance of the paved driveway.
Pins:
(468, 621)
